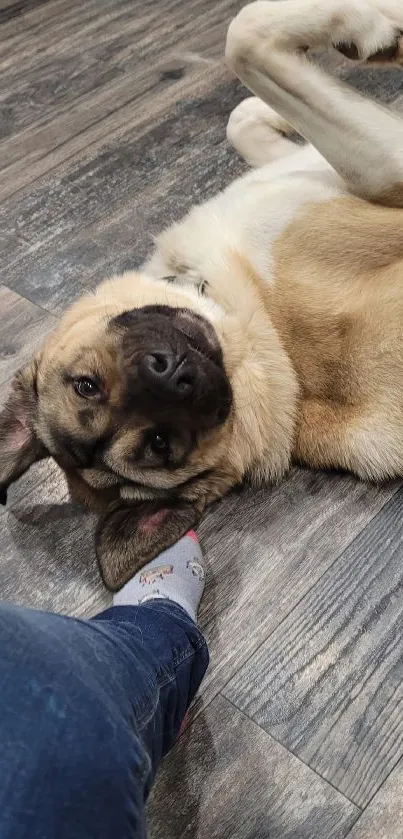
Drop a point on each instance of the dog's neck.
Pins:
(263, 379)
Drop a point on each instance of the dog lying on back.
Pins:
(267, 326)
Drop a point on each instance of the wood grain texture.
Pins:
(102, 66)
(227, 779)
(383, 818)
(47, 554)
(330, 684)
(101, 115)
(11, 9)
(23, 328)
(71, 231)
(265, 550)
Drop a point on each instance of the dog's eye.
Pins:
(87, 387)
(159, 443)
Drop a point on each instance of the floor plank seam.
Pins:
(48, 312)
(100, 143)
(69, 158)
(297, 757)
(301, 599)
(376, 792)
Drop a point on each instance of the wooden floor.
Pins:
(112, 123)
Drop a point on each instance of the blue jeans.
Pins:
(87, 711)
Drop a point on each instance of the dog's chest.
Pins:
(248, 217)
(256, 210)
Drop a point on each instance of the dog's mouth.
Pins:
(108, 478)
(131, 489)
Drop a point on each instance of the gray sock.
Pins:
(177, 574)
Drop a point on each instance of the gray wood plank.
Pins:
(98, 68)
(265, 550)
(329, 682)
(97, 86)
(227, 779)
(383, 818)
(105, 112)
(11, 9)
(45, 23)
(173, 153)
(71, 231)
(23, 328)
(257, 570)
(47, 554)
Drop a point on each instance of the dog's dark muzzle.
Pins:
(174, 366)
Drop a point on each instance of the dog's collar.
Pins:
(201, 287)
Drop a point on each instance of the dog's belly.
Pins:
(337, 305)
(273, 211)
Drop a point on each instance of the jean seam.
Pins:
(163, 683)
(187, 653)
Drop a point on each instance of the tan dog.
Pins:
(268, 325)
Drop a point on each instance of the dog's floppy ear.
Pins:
(129, 537)
(20, 446)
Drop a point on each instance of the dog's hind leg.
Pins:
(259, 134)
(362, 140)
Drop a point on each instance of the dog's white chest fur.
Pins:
(248, 217)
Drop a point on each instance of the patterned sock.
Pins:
(177, 574)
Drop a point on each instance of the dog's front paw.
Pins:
(258, 133)
(354, 27)
(365, 33)
(250, 26)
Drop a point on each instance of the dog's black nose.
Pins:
(168, 374)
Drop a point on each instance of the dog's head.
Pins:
(137, 405)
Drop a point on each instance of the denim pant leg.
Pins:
(87, 710)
